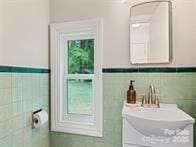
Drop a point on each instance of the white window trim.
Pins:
(59, 123)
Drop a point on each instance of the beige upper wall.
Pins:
(24, 32)
(1, 31)
(24, 29)
(116, 27)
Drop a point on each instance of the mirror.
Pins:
(150, 32)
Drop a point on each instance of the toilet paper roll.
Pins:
(40, 119)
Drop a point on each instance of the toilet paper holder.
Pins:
(35, 120)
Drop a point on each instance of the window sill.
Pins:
(77, 128)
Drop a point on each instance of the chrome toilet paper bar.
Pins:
(37, 111)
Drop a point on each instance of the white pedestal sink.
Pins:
(167, 126)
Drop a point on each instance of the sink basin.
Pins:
(155, 121)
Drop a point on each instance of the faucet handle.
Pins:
(144, 100)
(156, 101)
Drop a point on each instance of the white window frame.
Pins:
(60, 121)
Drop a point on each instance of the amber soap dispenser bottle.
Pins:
(131, 93)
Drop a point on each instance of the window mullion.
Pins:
(79, 76)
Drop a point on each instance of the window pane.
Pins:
(81, 56)
(79, 97)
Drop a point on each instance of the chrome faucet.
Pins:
(152, 99)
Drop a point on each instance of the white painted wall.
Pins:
(1, 31)
(116, 27)
(24, 32)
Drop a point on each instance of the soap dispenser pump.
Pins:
(131, 93)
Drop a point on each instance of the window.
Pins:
(76, 77)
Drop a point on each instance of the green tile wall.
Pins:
(177, 88)
(20, 95)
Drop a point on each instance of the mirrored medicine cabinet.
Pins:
(151, 32)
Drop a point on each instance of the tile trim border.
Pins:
(14, 69)
(150, 70)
